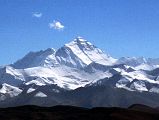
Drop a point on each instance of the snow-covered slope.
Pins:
(80, 53)
(35, 59)
(64, 67)
(139, 62)
(76, 64)
(8, 91)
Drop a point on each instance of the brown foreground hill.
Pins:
(134, 112)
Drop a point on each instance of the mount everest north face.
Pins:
(81, 74)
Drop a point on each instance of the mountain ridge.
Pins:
(77, 64)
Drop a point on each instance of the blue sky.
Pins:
(119, 27)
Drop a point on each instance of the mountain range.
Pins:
(80, 74)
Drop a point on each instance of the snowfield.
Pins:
(76, 64)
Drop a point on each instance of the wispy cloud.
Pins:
(37, 14)
(56, 25)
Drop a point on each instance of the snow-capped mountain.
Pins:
(77, 54)
(76, 64)
(139, 62)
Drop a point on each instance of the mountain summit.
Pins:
(80, 52)
(77, 53)
(78, 65)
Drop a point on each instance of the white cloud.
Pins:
(37, 14)
(56, 25)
